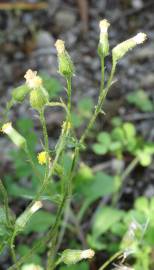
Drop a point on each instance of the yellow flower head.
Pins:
(32, 80)
(7, 127)
(43, 157)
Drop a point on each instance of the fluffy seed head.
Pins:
(140, 38)
(32, 80)
(104, 25)
(36, 206)
(87, 254)
(6, 128)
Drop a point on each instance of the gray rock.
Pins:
(65, 19)
(44, 40)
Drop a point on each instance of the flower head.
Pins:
(6, 128)
(36, 206)
(104, 25)
(66, 67)
(60, 46)
(140, 38)
(72, 256)
(43, 157)
(103, 47)
(32, 80)
(121, 49)
(87, 254)
(14, 135)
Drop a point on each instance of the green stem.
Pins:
(6, 202)
(101, 99)
(129, 168)
(67, 191)
(12, 247)
(122, 178)
(46, 141)
(116, 255)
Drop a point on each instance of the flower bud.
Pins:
(70, 256)
(39, 98)
(15, 137)
(66, 67)
(20, 92)
(26, 215)
(32, 80)
(121, 49)
(103, 47)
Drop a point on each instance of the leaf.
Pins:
(99, 149)
(100, 185)
(24, 250)
(52, 85)
(104, 219)
(144, 157)
(95, 243)
(104, 138)
(140, 99)
(129, 130)
(39, 222)
(85, 106)
(142, 204)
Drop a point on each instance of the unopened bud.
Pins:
(121, 49)
(20, 92)
(70, 256)
(39, 98)
(14, 135)
(25, 216)
(103, 47)
(66, 67)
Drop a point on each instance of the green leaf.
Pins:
(104, 138)
(104, 219)
(96, 243)
(77, 120)
(141, 101)
(102, 185)
(39, 222)
(144, 157)
(142, 204)
(24, 250)
(52, 85)
(129, 130)
(85, 106)
(99, 149)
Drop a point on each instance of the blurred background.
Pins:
(28, 31)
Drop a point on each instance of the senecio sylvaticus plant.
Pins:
(39, 101)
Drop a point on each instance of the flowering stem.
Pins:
(12, 247)
(46, 141)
